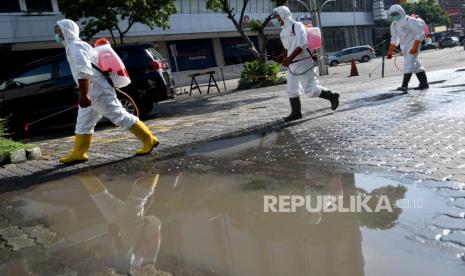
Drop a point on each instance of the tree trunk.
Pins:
(113, 37)
(121, 36)
(262, 42)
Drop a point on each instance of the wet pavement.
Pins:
(420, 134)
(197, 206)
(201, 211)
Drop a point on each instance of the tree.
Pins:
(255, 25)
(103, 15)
(429, 11)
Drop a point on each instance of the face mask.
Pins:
(396, 17)
(58, 39)
(275, 22)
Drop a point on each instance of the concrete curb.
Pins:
(23, 155)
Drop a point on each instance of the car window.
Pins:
(63, 69)
(38, 74)
(134, 57)
(123, 54)
(154, 53)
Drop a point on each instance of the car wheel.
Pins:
(334, 63)
(128, 103)
(145, 106)
(365, 59)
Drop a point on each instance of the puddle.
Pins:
(215, 219)
(235, 146)
(198, 223)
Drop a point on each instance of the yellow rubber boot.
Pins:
(141, 131)
(81, 146)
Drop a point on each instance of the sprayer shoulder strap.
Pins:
(105, 74)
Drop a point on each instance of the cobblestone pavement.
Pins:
(419, 136)
(420, 133)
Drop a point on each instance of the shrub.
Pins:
(256, 72)
(3, 128)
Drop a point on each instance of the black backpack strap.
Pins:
(105, 74)
(293, 30)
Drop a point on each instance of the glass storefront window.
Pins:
(39, 5)
(193, 54)
(334, 39)
(9, 6)
(235, 50)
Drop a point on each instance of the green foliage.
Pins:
(255, 25)
(255, 72)
(429, 11)
(105, 14)
(3, 128)
(7, 145)
(215, 5)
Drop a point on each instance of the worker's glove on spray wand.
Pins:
(390, 51)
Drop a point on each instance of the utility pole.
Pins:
(356, 38)
(315, 11)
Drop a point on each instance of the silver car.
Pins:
(360, 53)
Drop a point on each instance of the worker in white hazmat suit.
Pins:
(301, 73)
(97, 97)
(408, 33)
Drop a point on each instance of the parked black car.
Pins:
(425, 47)
(46, 86)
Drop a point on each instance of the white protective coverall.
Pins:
(404, 32)
(308, 82)
(139, 233)
(80, 57)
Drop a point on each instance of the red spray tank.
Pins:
(109, 61)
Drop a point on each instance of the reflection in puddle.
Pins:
(235, 146)
(210, 220)
(213, 224)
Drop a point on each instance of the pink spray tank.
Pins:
(313, 38)
(425, 28)
(109, 61)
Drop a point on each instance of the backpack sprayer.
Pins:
(111, 66)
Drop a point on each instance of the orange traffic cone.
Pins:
(353, 69)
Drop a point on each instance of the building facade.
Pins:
(456, 10)
(202, 38)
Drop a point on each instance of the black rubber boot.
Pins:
(332, 97)
(296, 113)
(405, 81)
(423, 81)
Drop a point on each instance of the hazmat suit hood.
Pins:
(400, 10)
(80, 55)
(284, 13)
(70, 30)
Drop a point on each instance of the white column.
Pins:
(218, 50)
(22, 5)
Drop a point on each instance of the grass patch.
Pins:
(7, 146)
